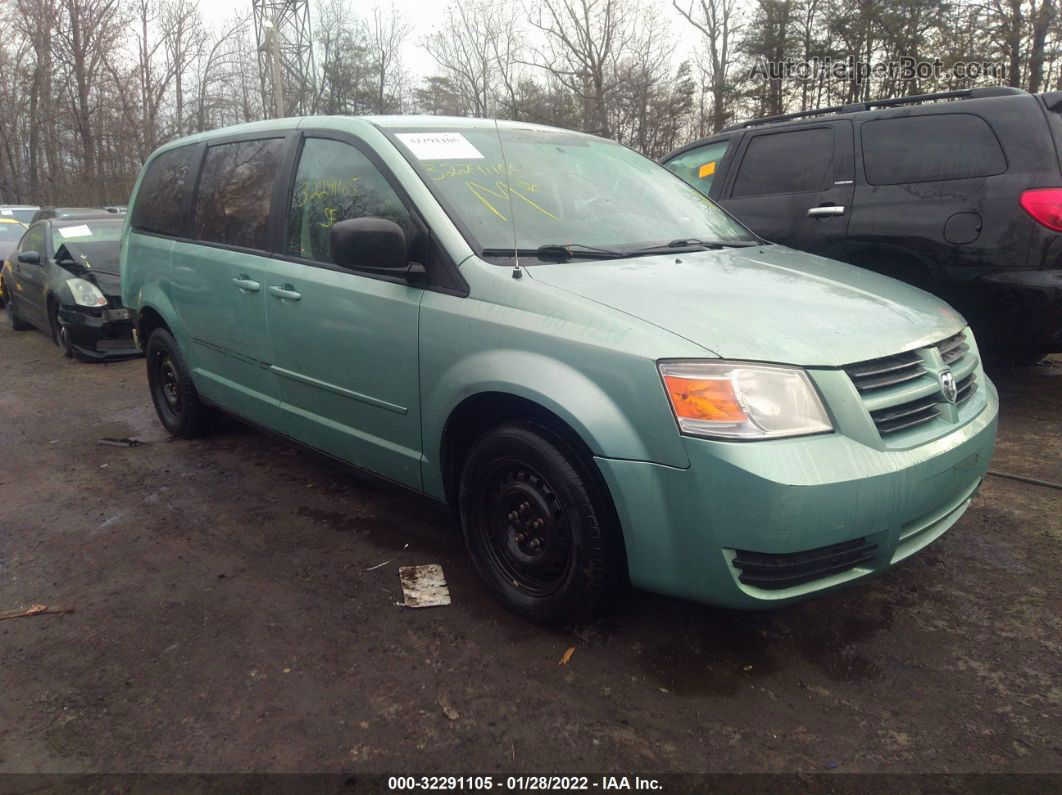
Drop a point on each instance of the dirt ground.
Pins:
(231, 613)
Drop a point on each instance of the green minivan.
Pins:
(609, 378)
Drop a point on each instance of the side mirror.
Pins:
(374, 244)
(29, 257)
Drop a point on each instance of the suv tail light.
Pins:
(1045, 205)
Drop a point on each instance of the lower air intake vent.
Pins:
(775, 572)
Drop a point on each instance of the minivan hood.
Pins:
(767, 303)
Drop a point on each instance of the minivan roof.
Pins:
(381, 122)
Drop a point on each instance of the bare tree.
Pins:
(719, 25)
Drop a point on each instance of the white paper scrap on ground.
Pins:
(440, 146)
(424, 586)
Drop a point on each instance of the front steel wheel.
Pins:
(540, 529)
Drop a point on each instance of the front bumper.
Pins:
(683, 528)
(95, 335)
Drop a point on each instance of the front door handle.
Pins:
(247, 284)
(826, 211)
(287, 292)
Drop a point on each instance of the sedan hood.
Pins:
(767, 303)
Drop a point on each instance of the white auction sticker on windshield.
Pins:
(75, 231)
(440, 146)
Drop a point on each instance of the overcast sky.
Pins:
(426, 14)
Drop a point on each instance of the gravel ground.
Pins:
(230, 614)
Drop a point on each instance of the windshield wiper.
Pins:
(559, 252)
(692, 243)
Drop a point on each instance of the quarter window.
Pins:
(789, 162)
(334, 182)
(930, 148)
(162, 201)
(699, 166)
(235, 189)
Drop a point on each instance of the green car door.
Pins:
(344, 344)
(219, 282)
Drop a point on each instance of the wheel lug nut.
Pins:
(520, 538)
(513, 515)
(537, 524)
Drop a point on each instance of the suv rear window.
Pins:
(930, 149)
(796, 161)
(162, 199)
(235, 191)
(699, 166)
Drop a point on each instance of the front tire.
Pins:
(539, 529)
(59, 332)
(175, 397)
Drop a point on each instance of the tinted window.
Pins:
(930, 148)
(787, 162)
(162, 199)
(699, 166)
(235, 189)
(335, 181)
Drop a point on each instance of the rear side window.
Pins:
(699, 166)
(335, 182)
(235, 190)
(930, 149)
(163, 196)
(788, 162)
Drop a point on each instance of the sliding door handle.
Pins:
(287, 292)
(247, 284)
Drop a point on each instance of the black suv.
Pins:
(959, 193)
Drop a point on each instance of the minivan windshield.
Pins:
(566, 191)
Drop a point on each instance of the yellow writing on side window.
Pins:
(503, 193)
(706, 170)
(324, 189)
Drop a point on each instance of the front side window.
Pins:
(950, 146)
(34, 240)
(162, 199)
(334, 182)
(527, 188)
(797, 161)
(235, 190)
(699, 166)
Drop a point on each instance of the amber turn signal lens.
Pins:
(710, 399)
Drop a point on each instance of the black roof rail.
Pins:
(966, 93)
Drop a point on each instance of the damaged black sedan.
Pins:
(63, 279)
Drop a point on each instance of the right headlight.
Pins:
(86, 293)
(743, 400)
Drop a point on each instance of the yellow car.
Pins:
(11, 230)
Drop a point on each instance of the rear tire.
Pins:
(539, 530)
(176, 400)
(13, 317)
